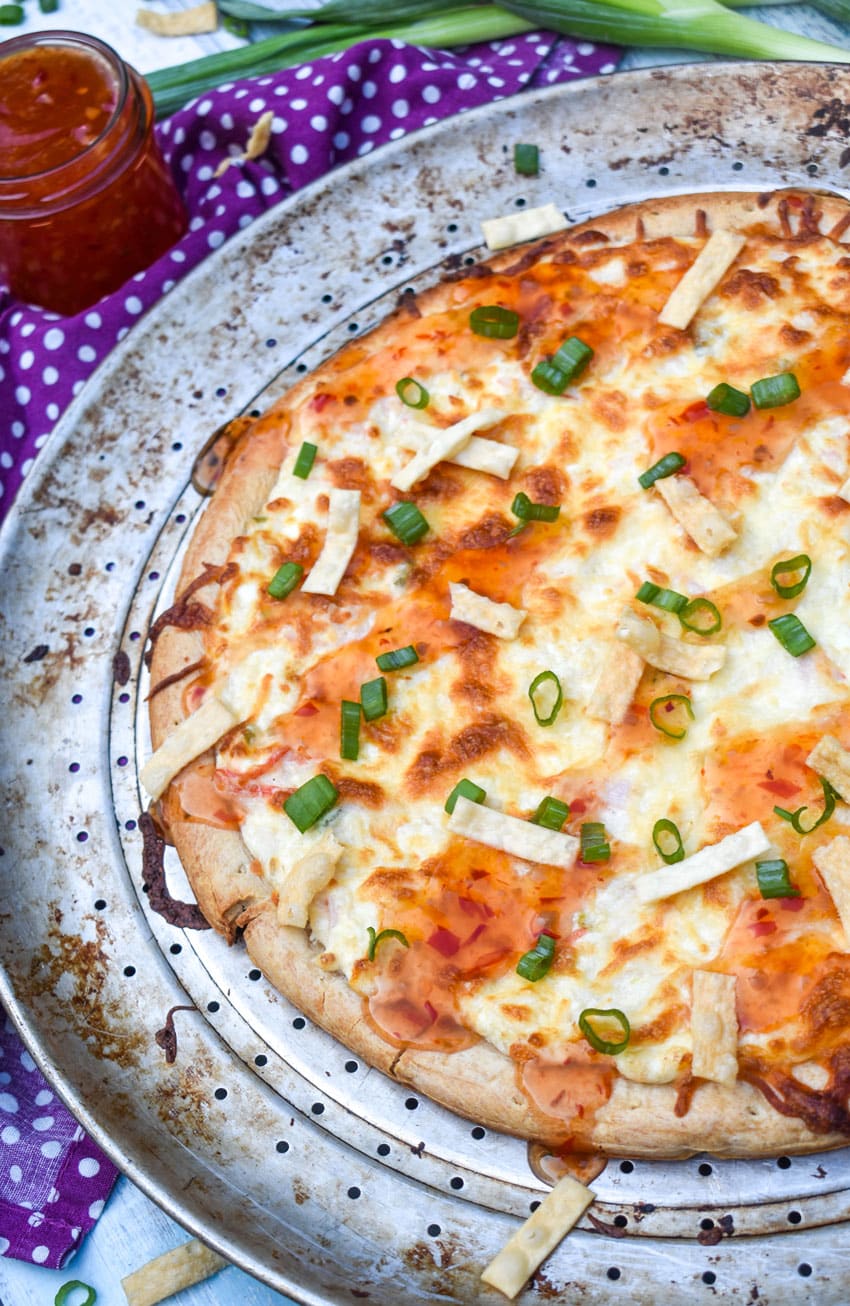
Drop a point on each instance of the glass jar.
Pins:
(86, 199)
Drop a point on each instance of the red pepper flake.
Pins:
(307, 709)
(781, 788)
(791, 904)
(763, 927)
(696, 412)
(432, 1012)
(444, 942)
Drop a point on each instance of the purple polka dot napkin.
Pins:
(53, 1180)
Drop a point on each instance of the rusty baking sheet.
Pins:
(262, 1135)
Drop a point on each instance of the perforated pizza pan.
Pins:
(265, 1137)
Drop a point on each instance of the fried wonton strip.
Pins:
(831, 760)
(540, 1235)
(340, 542)
(611, 699)
(844, 491)
(527, 224)
(183, 1266)
(443, 446)
(714, 1027)
(690, 661)
(309, 875)
(697, 516)
(533, 843)
(193, 736)
(715, 859)
(481, 455)
(716, 257)
(182, 22)
(477, 610)
(833, 864)
(258, 143)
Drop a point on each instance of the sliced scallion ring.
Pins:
(594, 842)
(701, 616)
(284, 580)
(790, 567)
(465, 789)
(668, 841)
(596, 1041)
(537, 962)
(727, 400)
(495, 322)
(792, 634)
(668, 714)
(397, 658)
(546, 697)
(71, 1288)
(527, 160)
(523, 508)
(412, 393)
(310, 803)
(349, 730)
(304, 461)
(373, 698)
(406, 522)
(666, 466)
(551, 813)
(572, 357)
(773, 879)
(774, 391)
(830, 797)
(669, 600)
(375, 938)
(549, 378)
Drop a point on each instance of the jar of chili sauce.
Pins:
(86, 199)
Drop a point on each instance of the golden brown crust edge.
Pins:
(638, 1120)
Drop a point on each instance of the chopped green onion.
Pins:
(594, 844)
(235, 26)
(792, 634)
(595, 1040)
(284, 580)
(527, 160)
(406, 522)
(802, 563)
(829, 798)
(727, 400)
(701, 616)
(397, 658)
(537, 962)
(552, 813)
(523, 508)
(50, 7)
(412, 393)
(309, 803)
(572, 357)
(375, 938)
(549, 378)
(11, 15)
(465, 789)
(662, 832)
(668, 713)
(774, 391)
(773, 880)
(495, 322)
(666, 466)
(669, 600)
(349, 730)
(74, 1285)
(550, 698)
(373, 698)
(304, 461)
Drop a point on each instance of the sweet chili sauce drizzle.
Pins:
(86, 199)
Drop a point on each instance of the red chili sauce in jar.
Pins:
(86, 199)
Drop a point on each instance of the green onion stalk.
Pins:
(703, 25)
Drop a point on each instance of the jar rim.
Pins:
(81, 41)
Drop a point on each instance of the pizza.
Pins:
(502, 706)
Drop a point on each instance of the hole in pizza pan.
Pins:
(181, 517)
(177, 445)
(353, 326)
(478, 1132)
(213, 1006)
(411, 1103)
(76, 698)
(220, 1093)
(352, 1067)
(784, 1162)
(130, 825)
(327, 298)
(88, 632)
(626, 1167)
(383, 1149)
(110, 566)
(794, 1217)
(221, 390)
(456, 1182)
(299, 1022)
(387, 260)
(74, 768)
(153, 575)
(121, 761)
(705, 1169)
(281, 1146)
(100, 904)
(709, 1277)
(706, 1224)
(812, 169)
(353, 1192)
(804, 1269)
(613, 1272)
(434, 1231)
(301, 367)
(124, 698)
(140, 503)
(255, 974)
(318, 1108)
(520, 202)
(261, 1059)
(664, 171)
(620, 1221)
(452, 227)
(134, 635)
(468, 261)
(737, 166)
(532, 1206)
(176, 949)
(129, 971)
(590, 183)
(270, 343)
(82, 836)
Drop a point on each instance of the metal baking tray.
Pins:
(266, 1137)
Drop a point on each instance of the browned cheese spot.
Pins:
(750, 287)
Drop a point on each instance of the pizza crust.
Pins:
(639, 1120)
